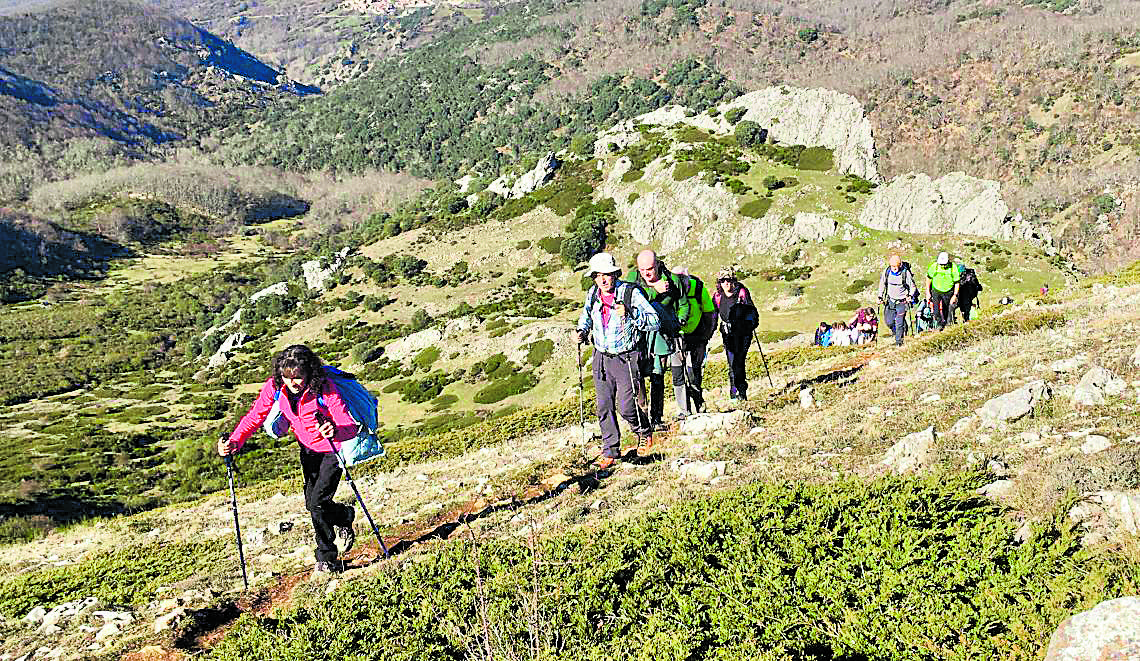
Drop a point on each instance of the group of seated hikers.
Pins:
(951, 287)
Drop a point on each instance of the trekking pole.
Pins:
(581, 395)
(359, 499)
(765, 360)
(237, 526)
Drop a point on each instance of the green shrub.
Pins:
(772, 182)
(633, 197)
(538, 352)
(849, 304)
(493, 324)
(734, 115)
(127, 577)
(808, 35)
(960, 335)
(995, 264)
(816, 158)
(839, 247)
(756, 208)
(443, 402)
(426, 357)
(792, 256)
(898, 568)
(395, 386)
(689, 133)
(775, 336)
(685, 170)
(504, 388)
(749, 133)
(857, 286)
(632, 175)
(1104, 203)
(426, 389)
(522, 245)
(551, 244)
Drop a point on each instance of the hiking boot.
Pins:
(322, 569)
(345, 535)
(606, 462)
(644, 445)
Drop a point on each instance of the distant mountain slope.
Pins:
(114, 69)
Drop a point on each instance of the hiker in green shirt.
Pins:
(944, 279)
(663, 346)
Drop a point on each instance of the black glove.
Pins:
(583, 337)
(726, 327)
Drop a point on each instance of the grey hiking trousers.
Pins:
(616, 378)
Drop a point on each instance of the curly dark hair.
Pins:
(299, 359)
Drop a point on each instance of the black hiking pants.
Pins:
(736, 351)
(941, 302)
(322, 476)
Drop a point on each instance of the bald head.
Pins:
(647, 265)
(895, 261)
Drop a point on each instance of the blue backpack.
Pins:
(361, 404)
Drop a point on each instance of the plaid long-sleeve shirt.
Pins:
(622, 333)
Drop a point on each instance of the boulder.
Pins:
(701, 471)
(807, 400)
(1095, 385)
(1110, 630)
(1068, 364)
(997, 489)
(170, 620)
(1014, 405)
(706, 424)
(954, 204)
(813, 226)
(1105, 514)
(36, 615)
(912, 453)
(1094, 443)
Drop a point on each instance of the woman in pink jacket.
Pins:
(300, 380)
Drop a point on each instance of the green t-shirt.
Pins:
(943, 277)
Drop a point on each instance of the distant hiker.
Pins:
(944, 279)
(616, 314)
(969, 292)
(823, 330)
(1006, 300)
(738, 319)
(298, 375)
(696, 333)
(1044, 290)
(865, 325)
(840, 335)
(897, 292)
(665, 344)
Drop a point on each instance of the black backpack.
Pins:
(970, 279)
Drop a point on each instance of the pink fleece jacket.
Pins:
(302, 421)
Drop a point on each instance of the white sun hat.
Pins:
(603, 262)
(943, 258)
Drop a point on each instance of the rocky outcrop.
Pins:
(528, 182)
(318, 276)
(408, 346)
(814, 117)
(954, 204)
(279, 289)
(232, 342)
(1111, 630)
(814, 226)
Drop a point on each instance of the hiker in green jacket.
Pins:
(944, 279)
(697, 332)
(663, 346)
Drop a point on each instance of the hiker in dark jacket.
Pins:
(969, 292)
(662, 287)
(301, 381)
(738, 319)
(897, 292)
(617, 331)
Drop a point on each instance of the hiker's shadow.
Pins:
(634, 459)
